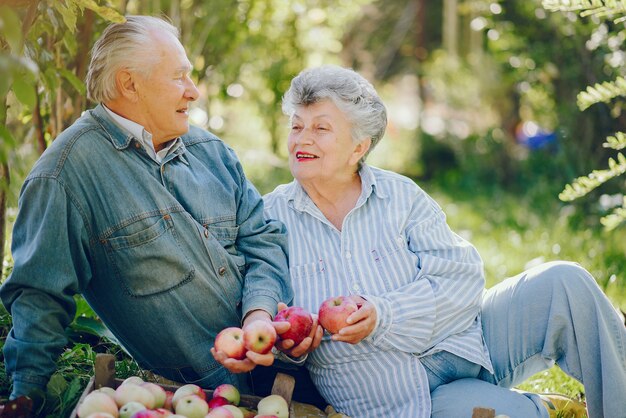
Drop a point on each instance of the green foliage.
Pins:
(598, 93)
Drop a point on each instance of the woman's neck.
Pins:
(335, 199)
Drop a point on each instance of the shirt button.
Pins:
(348, 255)
(356, 287)
(222, 271)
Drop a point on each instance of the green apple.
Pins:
(97, 402)
(192, 406)
(273, 405)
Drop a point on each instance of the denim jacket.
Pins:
(166, 255)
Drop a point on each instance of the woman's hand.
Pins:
(362, 323)
(308, 344)
(252, 359)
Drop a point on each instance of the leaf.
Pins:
(93, 326)
(57, 385)
(25, 92)
(107, 13)
(78, 85)
(68, 14)
(11, 28)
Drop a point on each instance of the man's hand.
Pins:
(310, 343)
(361, 323)
(252, 359)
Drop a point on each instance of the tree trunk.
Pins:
(5, 180)
(450, 27)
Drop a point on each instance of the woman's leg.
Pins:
(557, 313)
(459, 398)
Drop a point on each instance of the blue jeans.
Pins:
(553, 313)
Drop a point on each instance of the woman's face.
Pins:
(320, 144)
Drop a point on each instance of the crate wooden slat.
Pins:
(104, 375)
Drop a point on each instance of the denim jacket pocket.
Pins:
(147, 257)
(227, 237)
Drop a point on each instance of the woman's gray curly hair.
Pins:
(349, 91)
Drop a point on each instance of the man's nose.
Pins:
(192, 92)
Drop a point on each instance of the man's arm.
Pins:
(264, 246)
(48, 252)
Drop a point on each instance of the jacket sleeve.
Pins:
(443, 298)
(47, 249)
(264, 245)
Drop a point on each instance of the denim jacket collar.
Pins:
(119, 137)
(122, 139)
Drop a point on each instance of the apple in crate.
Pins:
(234, 410)
(192, 406)
(300, 321)
(247, 412)
(218, 401)
(157, 391)
(219, 412)
(334, 311)
(273, 405)
(97, 402)
(259, 336)
(231, 341)
(130, 408)
(131, 392)
(188, 389)
(228, 391)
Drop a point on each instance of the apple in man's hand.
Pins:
(259, 336)
(300, 321)
(231, 341)
(334, 311)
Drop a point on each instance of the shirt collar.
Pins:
(139, 132)
(301, 201)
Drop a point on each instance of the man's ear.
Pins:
(360, 150)
(125, 81)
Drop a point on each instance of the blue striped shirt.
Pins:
(395, 250)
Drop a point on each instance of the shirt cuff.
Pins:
(285, 358)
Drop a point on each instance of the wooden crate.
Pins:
(104, 375)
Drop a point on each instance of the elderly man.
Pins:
(151, 220)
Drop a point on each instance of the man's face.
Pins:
(163, 96)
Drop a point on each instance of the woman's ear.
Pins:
(360, 150)
(126, 84)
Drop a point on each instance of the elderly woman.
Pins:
(427, 332)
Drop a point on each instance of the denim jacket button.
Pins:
(206, 233)
(222, 271)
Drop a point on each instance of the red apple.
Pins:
(334, 311)
(218, 401)
(300, 321)
(259, 336)
(231, 341)
(229, 392)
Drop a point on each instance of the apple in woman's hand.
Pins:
(334, 311)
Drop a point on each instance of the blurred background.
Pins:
(509, 113)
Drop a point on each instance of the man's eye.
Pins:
(295, 128)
